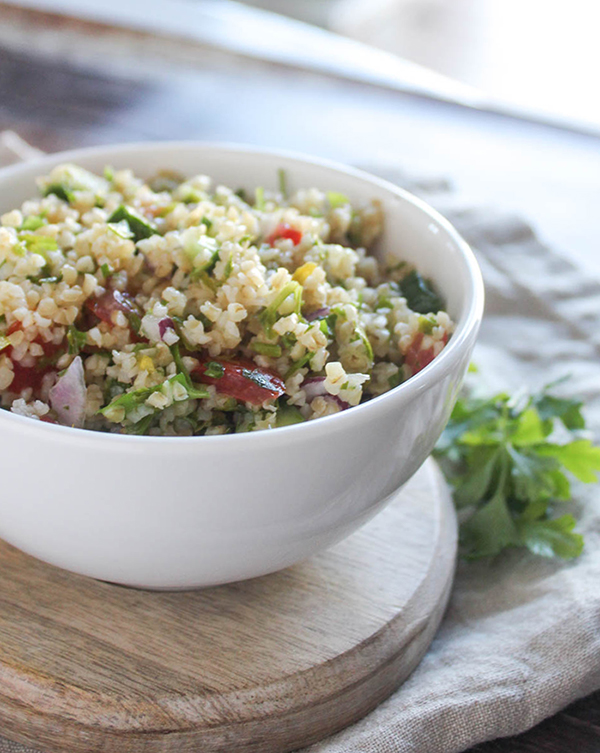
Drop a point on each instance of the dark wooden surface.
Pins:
(59, 100)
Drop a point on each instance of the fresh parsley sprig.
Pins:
(510, 461)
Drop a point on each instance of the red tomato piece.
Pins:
(416, 358)
(284, 230)
(243, 380)
(109, 302)
(31, 376)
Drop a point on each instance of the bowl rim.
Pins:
(420, 382)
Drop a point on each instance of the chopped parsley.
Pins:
(61, 191)
(75, 339)
(214, 370)
(419, 294)
(259, 378)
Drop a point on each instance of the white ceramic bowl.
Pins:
(195, 511)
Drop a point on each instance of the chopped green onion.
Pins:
(129, 401)
(287, 415)
(282, 177)
(366, 342)
(208, 223)
(179, 362)
(75, 339)
(139, 226)
(184, 375)
(266, 349)
(142, 427)
(268, 317)
(33, 222)
(165, 180)
(259, 199)
(195, 244)
(193, 392)
(228, 267)
(63, 193)
(109, 173)
(427, 323)
(54, 279)
(106, 270)
(299, 364)
(38, 244)
(395, 379)
(288, 341)
(336, 199)
(117, 229)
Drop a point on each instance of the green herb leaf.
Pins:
(509, 461)
(552, 538)
(419, 294)
(580, 457)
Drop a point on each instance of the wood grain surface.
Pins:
(266, 665)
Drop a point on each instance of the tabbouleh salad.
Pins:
(175, 308)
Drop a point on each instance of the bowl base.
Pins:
(267, 665)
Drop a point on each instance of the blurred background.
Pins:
(496, 98)
(540, 54)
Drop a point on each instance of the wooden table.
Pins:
(73, 85)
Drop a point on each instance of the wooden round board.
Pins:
(267, 665)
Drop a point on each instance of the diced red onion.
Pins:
(338, 401)
(112, 300)
(315, 387)
(68, 395)
(318, 314)
(164, 325)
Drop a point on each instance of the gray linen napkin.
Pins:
(521, 638)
